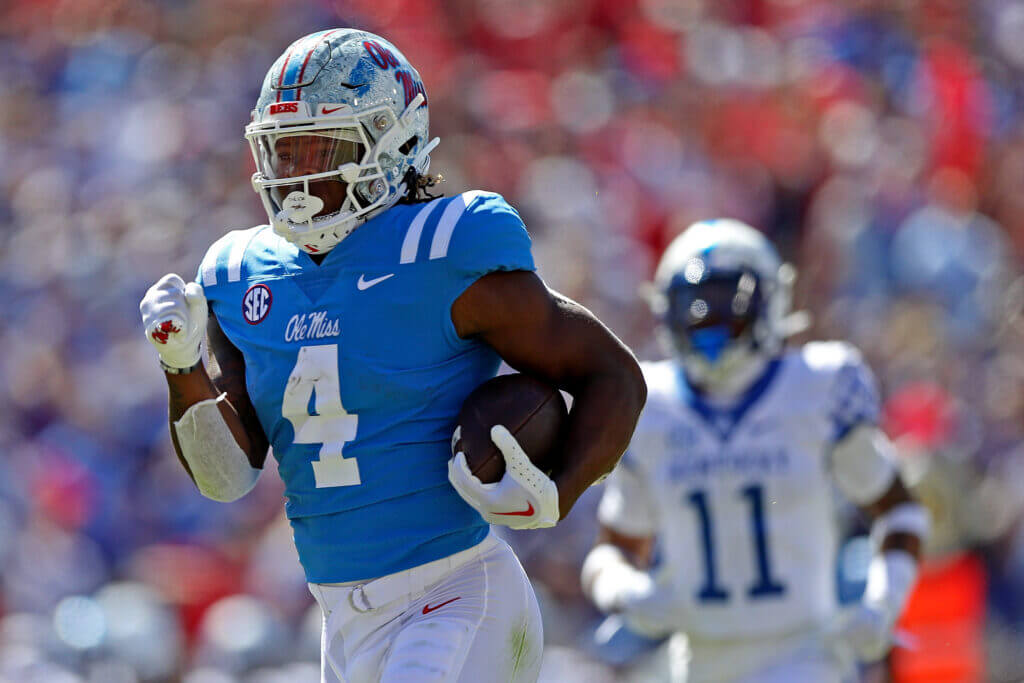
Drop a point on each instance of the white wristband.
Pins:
(891, 578)
(906, 518)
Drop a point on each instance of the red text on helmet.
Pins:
(284, 107)
(411, 86)
(385, 59)
(381, 55)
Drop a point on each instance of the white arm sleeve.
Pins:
(219, 466)
(864, 464)
(626, 505)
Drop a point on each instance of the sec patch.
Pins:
(256, 304)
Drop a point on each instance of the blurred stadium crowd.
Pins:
(879, 142)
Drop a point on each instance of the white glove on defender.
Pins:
(525, 498)
(868, 628)
(645, 601)
(174, 315)
(865, 630)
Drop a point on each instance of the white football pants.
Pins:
(471, 616)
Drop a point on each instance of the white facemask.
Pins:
(738, 367)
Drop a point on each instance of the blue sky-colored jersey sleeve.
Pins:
(490, 236)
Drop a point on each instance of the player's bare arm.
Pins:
(546, 334)
(892, 499)
(637, 550)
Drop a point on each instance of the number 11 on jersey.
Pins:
(316, 374)
(766, 585)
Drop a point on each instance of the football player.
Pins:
(346, 334)
(731, 472)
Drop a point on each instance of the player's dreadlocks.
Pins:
(418, 184)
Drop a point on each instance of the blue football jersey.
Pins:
(357, 374)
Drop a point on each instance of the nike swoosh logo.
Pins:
(427, 609)
(366, 284)
(325, 110)
(519, 513)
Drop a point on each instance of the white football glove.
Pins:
(174, 316)
(867, 633)
(644, 599)
(524, 498)
(868, 629)
(865, 630)
(654, 613)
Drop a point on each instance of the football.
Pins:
(532, 410)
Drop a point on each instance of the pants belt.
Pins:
(376, 593)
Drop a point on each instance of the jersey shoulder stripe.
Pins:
(223, 260)
(411, 243)
(452, 213)
(238, 249)
(208, 266)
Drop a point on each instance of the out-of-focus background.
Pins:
(879, 142)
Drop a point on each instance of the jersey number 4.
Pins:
(315, 379)
(766, 586)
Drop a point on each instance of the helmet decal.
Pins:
(292, 74)
(382, 57)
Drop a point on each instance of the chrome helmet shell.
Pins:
(341, 119)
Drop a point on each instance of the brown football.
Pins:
(531, 409)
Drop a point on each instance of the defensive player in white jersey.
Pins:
(346, 334)
(731, 472)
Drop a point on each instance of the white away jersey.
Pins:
(740, 499)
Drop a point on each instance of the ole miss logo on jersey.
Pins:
(256, 304)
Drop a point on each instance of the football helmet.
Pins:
(722, 297)
(341, 119)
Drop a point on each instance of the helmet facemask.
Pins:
(319, 178)
(291, 156)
